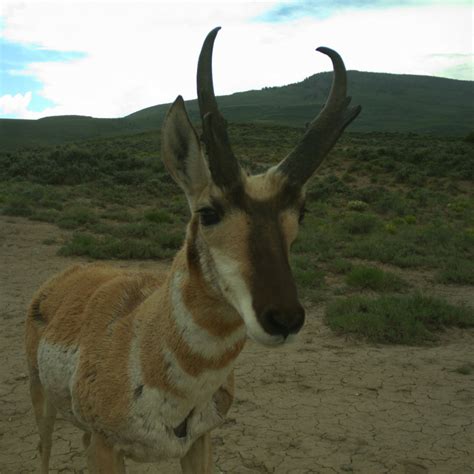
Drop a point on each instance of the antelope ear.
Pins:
(182, 153)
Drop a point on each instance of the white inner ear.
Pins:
(198, 174)
(182, 154)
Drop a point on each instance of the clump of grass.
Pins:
(52, 198)
(318, 237)
(138, 230)
(76, 216)
(390, 227)
(390, 203)
(17, 206)
(158, 216)
(306, 274)
(412, 246)
(45, 215)
(109, 248)
(118, 214)
(170, 239)
(327, 187)
(374, 279)
(410, 319)
(458, 272)
(340, 266)
(358, 223)
(459, 205)
(403, 253)
(465, 369)
(357, 205)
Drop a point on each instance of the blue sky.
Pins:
(106, 58)
(15, 57)
(293, 10)
(288, 11)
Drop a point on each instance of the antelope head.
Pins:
(242, 227)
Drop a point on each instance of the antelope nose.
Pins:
(282, 322)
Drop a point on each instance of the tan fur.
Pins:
(194, 298)
(143, 363)
(199, 457)
(99, 311)
(264, 186)
(98, 314)
(290, 227)
(101, 457)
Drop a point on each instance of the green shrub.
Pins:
(370, 194)
(391, 203)
(326, 187)
(396, 319)
(465, 369)
(306, 274)
(390, 227)
(52, 198)
(469, 138)
(158, 216)
(459, 272)
(76, 216)
(45, 215)
(109, 248)
(374, 279)
(118, 214)
(412, 246)
(357, 205)
(357, 223)
(138, 230)
(340, 265)
(17, 206)
(170, 240)
(318, 238)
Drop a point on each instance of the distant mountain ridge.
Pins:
(390, 102)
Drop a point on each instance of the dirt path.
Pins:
(321, 405)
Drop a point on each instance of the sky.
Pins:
(110, 58)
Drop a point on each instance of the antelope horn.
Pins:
(324, 130)
(223, 164)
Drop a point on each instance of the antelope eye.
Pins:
(208, 216)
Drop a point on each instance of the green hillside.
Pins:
(391, 102)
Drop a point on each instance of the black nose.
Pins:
(282, 322)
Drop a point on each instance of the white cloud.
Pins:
(455, 66)
(15, 105)
(139, 54)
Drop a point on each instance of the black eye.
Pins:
(208, 216)
(303, 212)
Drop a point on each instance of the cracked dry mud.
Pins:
(321, 405)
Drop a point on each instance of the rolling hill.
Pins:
(390, 102)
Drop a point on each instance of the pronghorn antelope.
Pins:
(143, 363)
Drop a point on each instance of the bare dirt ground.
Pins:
(321, 405)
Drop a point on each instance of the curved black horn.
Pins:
(224, 167)
(324, 130)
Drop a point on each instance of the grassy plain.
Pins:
(383, 209)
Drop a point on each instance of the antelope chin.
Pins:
(291, 339)
(267, 340)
